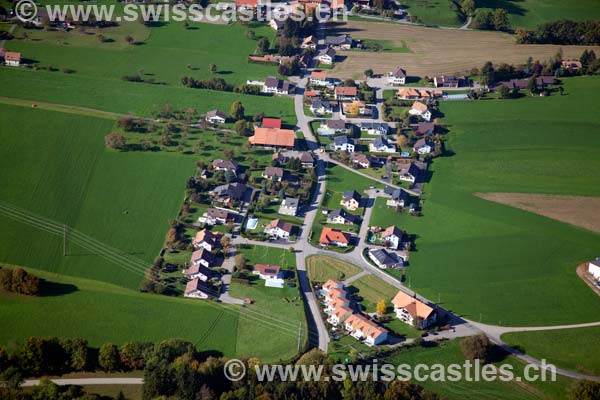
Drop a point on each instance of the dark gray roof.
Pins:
(352, 194)
(290, 202)
(338, 40)
(341, 140)
(321, 103)
(344, 214)
(399, 73)
(380, 126)
(384, 258)
(380, 141)
(234, 190)
(336, 124)
(216, 113)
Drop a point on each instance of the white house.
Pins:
(207, 240)
(326, 56)
(279, 229)
(267, 271)
(351, 199)
(392, 237)
(360, 327)
(339, 315)
(201, 272)
(408, 308)
(272, 274)
(331, 284)
(12, 58)
(277, 86)
(594, 268)
(420, 110)
(318, 78)
(341, 217)
(289, 206)
(202, 257)
(424, 146)
(410, 172)
(216, 117)
(374, 128)
(342, 143)
(385, 260)
(398, 197)
(332, 127)
(381, 145)
(339, 302)
(397, 77)
(321, 107)
(197, 289)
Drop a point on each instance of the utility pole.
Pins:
(64, 240)
(439, 297)
(299, 334)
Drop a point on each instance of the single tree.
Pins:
(237, 110)
(115, 141)
(476, 347)
(108, 357)
(381, 307)
(212, 68)
(129, 39)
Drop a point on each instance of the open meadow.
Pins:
(494, 262)
(531, 13)
(77, 69)
(102, 313)
(437, 51)
(571, 349)
(116, 206)
(321, 268)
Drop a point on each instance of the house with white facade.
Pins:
(271, 274)
(321, 107)
(203, 257)
(421, 110)
(201, 272)
(351, 199)
(339, 315)
(397, 76)
(374, 128)
(342, 217)
(424, 146)
(279, 229)
(207, 239)
(197, 289)
(216, 117)
(384, 259)
(409, 308)
(594, 268)
(342, 143)
(392, 237)
(289, 206)
(326, 56)
(382, 145)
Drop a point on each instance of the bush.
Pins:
(19, 281)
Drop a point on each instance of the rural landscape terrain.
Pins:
(414, 182)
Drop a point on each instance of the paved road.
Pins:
(88, 381)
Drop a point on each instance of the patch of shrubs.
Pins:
(19, 281)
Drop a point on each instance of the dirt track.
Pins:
(437, 51)
(580, 211)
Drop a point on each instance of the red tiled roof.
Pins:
(271, 123)
(329, 235)
(273, 137)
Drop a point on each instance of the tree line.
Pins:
(564, 31)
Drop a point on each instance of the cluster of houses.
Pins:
(338, 307)
(336, 301)
(202, 277)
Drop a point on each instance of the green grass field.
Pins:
(101, 313)
(282, 307)
(268, 255)
(448, 352)
(141, 99)
(56, 167)
(433, 12)
(492, 261)
(322, 268)
(572, 349)
(530, 13)
(372, 289)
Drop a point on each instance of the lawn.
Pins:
(372, 289)
(530, 13)
(102, 313)
(140, 99)
(282, 307)
(268, 255)
(448, 352)
(340, 179)
(115, 205)
(384, 216)
(494, 262)
(166, 52)
(434, 12)
(322, 268)
(571, 349)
